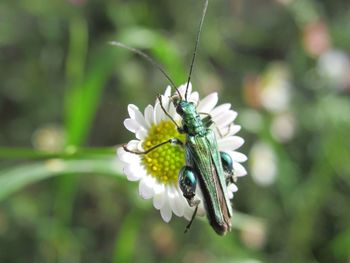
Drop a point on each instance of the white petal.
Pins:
(165, 101)
(194, 97)
(158, 113)
(131, 125)
(140, 146)
(158, 187)
(127, 157)
(145, 188)
(165, 212)
(239, 170)
(151, 181)
(230, 143)
(229, 130)
(182, 90)
(134, 172)
(220, 109)
(225, 118)
(135, 145)
(137, 115)
(149, 115)
(176, 202)
(208, 103)
(167, 92)
(234, 129)
(238, 157)
(158, 200)
(188, 212)
(232, 188)
(189, 88)
(131, 110)
(172, 111)
(141, 134)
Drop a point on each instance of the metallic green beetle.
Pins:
(207, 165)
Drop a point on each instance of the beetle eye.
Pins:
(175, 100)
(179, 109)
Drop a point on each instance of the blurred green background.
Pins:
(285, 67)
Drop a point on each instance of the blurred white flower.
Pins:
(157, 171)
(285, 2)
(275, 88)
(263, 164)
(334, 66)
(253, 234)
(251, 120)
(283, 126)
(49, 137)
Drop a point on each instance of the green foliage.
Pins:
(16, 178)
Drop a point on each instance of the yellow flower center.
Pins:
(165, 162)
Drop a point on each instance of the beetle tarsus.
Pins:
(172, 141)
(192, 218)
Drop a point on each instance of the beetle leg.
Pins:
(208, 121)
(188, 184)
(173, 141)
(228, 130)
(191, 221)
(167, 114)
(227, 165)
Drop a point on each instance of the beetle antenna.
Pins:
(149, 59)
(196, 45)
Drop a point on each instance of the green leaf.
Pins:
(126, 238)
(14, 179)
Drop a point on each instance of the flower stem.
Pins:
(70, 152)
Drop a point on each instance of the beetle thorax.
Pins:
(191, 121)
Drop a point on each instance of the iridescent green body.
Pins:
(203, 157)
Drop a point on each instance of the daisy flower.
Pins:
(157, 172)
